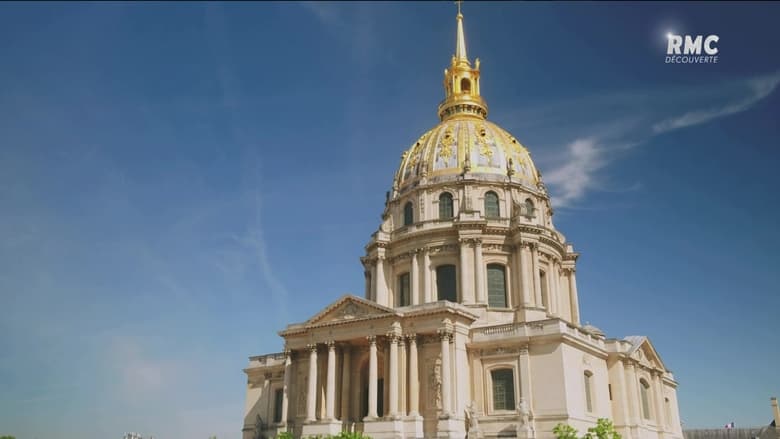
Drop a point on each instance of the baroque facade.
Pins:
(470, 322)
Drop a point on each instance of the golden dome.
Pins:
(465, 142)
(469, 145)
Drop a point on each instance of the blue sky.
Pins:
(180, 181)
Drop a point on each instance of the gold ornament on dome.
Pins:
(446, 144)
(484, 146)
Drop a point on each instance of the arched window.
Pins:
(496, 280)
(543, 286)
(445, 206)
(503, 389)
(530, 210)
(644, 389)
(408, 213)
(446, 287)
(588, 390)
(465, 85)
(491, 205)
(404, 289)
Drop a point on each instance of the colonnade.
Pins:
(403, 400)
(525, 284)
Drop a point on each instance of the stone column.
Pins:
(525, 286)
(535, 273)
(575, 305)
(311, 396)
(393, 381)
(330, 398)
(267, 392)
(381, 285)
(402, 376)
(556, 289)
(446, 374)
(465, 295)
(426, 277)
(479, 272)
(659, 403)
(414, 380)
(524, 360)
(372, 377)
(286, 385)
(633, 395)
(775, 411)
(346, 378)
(622, 395)
(414, 279)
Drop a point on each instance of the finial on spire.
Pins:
(461, 81)
(460, 44)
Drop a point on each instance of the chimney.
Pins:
(775, 411)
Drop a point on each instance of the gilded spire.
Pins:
(461, 81)
(460, 44)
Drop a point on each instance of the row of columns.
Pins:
(629, 383)
(393, 376)
(330, 387)
(530, 287)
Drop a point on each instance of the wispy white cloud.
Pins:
(326, 12)
(758, 89)
(140, 375)
(579, 168)
(254, 239)
(577, 174)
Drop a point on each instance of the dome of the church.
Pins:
(466, 144)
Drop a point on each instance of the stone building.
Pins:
(470, 322)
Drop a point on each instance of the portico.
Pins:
(371, 383)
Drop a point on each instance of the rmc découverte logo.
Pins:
(685, 49)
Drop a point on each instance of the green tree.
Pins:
(603, 430)
(7, 437)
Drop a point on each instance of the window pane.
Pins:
(503, 389)
(278, 405)
(445, 283)
(404, 289)
(408, 214)
(445, 206)
(496, 278)
(491, 205)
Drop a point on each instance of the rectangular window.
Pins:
(496, 278)
(404, 289)
(543, 286)
(278, 397)
(503, 389)
(446, 286)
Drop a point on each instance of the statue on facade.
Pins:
(524, 418)
(473, 421)
(435, 383)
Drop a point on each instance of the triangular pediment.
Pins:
(644, 352)
(349, 308)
